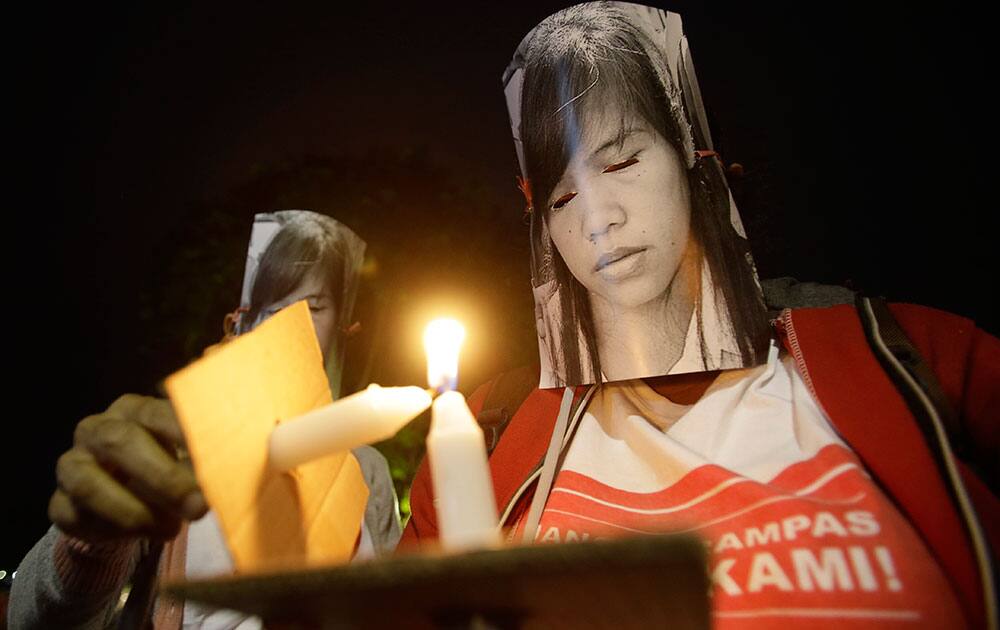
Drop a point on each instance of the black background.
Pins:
(865, 138)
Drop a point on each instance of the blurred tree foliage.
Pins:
(435, 240)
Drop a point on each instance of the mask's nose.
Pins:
(602, 212)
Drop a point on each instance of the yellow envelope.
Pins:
(227, 403)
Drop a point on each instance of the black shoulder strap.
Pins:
(882, 329)
(505, 396)
(926, 400)
(138, 610)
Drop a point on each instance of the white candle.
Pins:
(463, 488)
(368, 416)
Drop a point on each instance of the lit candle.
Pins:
(368, 416)
(460, 473)
(442, 340)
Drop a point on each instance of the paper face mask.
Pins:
(300, 255)
(640, 265)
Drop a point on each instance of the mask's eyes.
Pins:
(611, 168)
(562, 201)
(318, 303)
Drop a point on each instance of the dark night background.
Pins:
(143, 140)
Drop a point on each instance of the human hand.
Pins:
(123, 477)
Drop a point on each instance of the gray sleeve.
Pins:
(382, 511)
(61, 585)
(787, 292)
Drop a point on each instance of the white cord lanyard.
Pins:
(549, 467)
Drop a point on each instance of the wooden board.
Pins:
(634, 583)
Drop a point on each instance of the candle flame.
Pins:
(442, 341)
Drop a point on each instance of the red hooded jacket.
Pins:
(835, 360)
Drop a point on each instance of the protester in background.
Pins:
(310, 257)
(122, 487)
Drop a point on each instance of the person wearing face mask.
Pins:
(807, 455)
(122, 489)
(305, 256)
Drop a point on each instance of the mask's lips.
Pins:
(615, 255)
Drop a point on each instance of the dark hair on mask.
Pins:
(583, 64)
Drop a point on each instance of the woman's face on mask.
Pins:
(620, 215)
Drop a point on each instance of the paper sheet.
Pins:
(227, 403)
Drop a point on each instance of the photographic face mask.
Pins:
(640, 265)
(299, 255)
